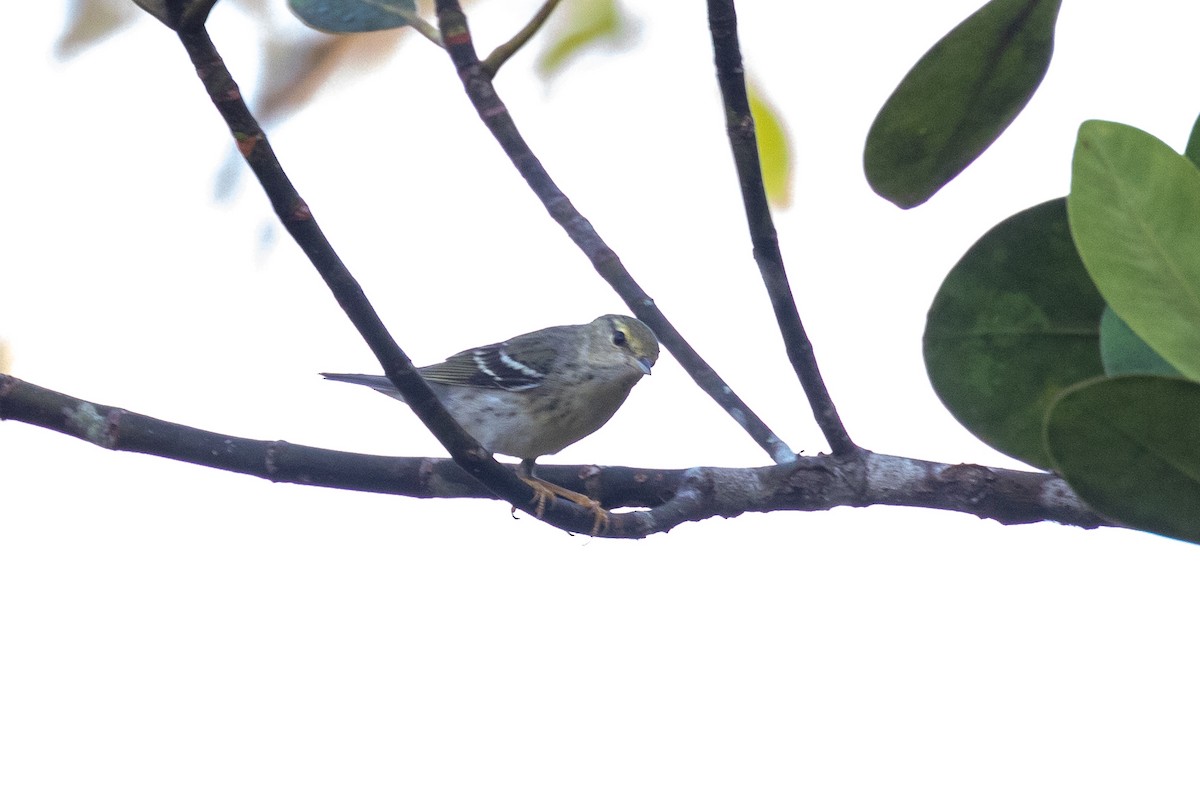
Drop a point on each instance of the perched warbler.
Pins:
(534, 394)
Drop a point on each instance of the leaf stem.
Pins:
(493, 62)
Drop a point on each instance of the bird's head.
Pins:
(620, 342)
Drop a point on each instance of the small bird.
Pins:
(534, 394)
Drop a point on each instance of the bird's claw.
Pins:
(544, 491)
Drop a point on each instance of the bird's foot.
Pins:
(545, 491)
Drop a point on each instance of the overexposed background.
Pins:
(171, 631)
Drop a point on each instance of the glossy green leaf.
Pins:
(774, 149)
(354, 16)
(582, 24)
(1130, 447)
(1135, 215)
(1124, 353)
(1015, 322)
(959, 98)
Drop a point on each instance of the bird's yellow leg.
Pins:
(544, 490)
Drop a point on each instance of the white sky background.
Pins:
(170, 631)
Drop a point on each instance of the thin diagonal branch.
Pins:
(482, 93)
(722, 21)
(808, 484)
(507, 50)
(298, 219)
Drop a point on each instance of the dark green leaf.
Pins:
(1135, 215)
(354, 16)
(1124, 353)
(1015, 322)
(1130, 446)
(959, 98)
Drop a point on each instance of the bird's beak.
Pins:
(645, 364)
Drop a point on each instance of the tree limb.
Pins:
(675, 496)
(722, 22)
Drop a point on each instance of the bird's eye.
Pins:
(619, 338)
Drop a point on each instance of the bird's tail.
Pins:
(379, 383)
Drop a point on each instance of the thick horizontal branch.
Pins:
(480, 90)
(809, 484)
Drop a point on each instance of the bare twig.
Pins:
(722, 21)
(298, 219)
(504, 52)
(495, 116)
(809, 484)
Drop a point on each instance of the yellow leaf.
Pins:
(774, 149)
(586, 23)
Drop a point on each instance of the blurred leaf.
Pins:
(89, 21)
(582, 24)
(1123, 353)
(1135, 215)
(292, 71)
(1130, 446)
(354, 16)
(296, 69)
(959, 98)
(774, 149)
(1015, 322)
